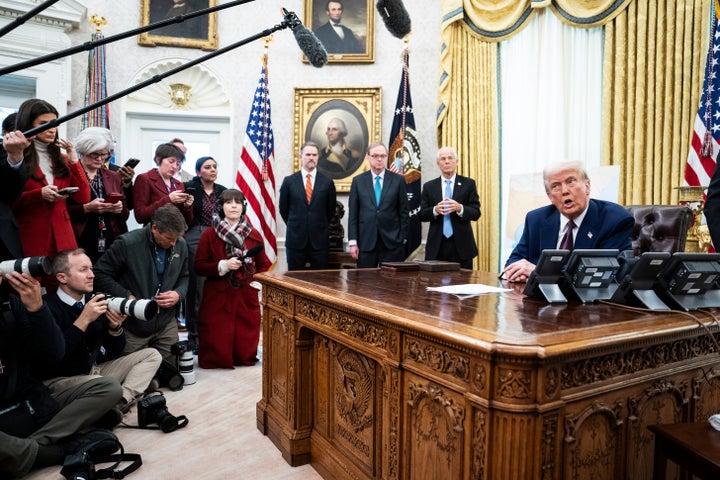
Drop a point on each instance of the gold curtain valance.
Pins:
(496, 20)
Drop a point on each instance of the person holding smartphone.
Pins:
(206, 194)
(41, 210)
(158, 186)
(98, 222)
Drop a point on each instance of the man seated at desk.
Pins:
(574, 220)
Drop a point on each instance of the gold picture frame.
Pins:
(355, 110)
(199, 32)
(358, 23)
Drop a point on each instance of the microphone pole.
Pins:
(120, 36)
(24, 18)
(286, 23)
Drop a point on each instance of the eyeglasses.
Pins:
(99, 155)
(377, 155)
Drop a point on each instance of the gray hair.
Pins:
(93, 139)
(452, 149)
(551, 170)
(169, 219)
(340, 124)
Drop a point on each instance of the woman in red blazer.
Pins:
(100, 221)
(41, 210)
(156, 187)
(229, 316)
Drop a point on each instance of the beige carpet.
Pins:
(220, 442)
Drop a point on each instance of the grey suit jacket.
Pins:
(389, 221)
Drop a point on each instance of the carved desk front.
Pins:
(367, 375)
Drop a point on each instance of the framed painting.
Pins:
(198, 32)
(345, 27)
(342, 121)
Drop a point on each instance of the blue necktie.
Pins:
(378, 189)
(447, 223)
(79, 305)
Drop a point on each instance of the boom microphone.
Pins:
(310, 45)
(396, 18)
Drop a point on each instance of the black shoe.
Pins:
(96, 443)
(110, 420)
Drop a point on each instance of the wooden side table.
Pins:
(695, 447)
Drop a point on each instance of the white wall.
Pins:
(238, 71)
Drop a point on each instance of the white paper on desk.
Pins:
(468, 289)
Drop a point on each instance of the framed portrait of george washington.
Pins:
(199, 32)
(345, 27)
(342, 121)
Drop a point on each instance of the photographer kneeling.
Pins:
(94, 336)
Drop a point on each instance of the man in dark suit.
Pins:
(335, 37)
(379, 212)
(450, 203)
(12, 182)
(307, 205)
(573, 216)
(712, 208)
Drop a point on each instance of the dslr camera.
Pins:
(34, 266)
(153, 409)
(78, 467)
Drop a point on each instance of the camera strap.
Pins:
(110, 472)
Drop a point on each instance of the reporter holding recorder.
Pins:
(229, 316)
(100, 221)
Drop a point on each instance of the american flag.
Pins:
(705, 143)
(255, 176)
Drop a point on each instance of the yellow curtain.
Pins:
(654, 56)
(652, 76)
(470, 125)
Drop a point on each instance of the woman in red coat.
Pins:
(41, 210)
(229, 316)
(156, 187)
(100, 221)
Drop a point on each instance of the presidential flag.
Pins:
(255, 175)
(705, 142)
(404, 154)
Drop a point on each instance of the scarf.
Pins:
(234, 238)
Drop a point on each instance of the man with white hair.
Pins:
(573, 220)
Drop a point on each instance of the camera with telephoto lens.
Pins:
(153, 409)
(34, 266)
(78, 466)
(138, 308)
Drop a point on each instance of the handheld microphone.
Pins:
(396, 18)
(310, 45)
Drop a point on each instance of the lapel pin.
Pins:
(589, 234)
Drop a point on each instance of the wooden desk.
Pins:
(367, 375)
(693, 446)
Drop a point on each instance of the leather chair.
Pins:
(660, 228)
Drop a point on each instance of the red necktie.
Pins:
(567, 240)
(308, 188)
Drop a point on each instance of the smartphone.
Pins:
(190, 191)
(132, 163)
(68, 190)
(113, 197)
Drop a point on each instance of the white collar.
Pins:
(67, 299)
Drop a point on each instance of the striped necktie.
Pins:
(308, 188)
